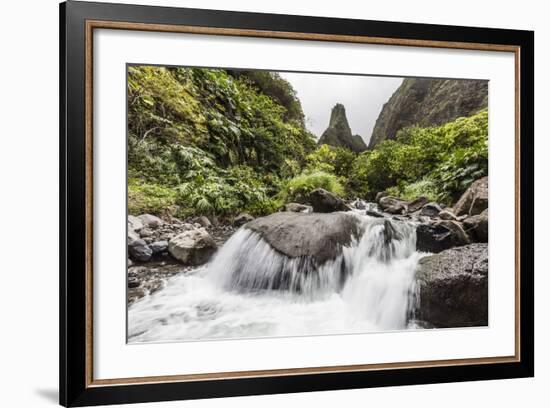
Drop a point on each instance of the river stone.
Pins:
(359, 204)
(447, 215)
(150, 221)
(453, 287)
(324, 201)
(374, 213)
(242, 219)
(380, 195)
(477, 226)
(204, 221)
(134, 223)
(296, 207)
(139, 250)
(439, 236)
(393, 205)
(317, 235)
(193, 247)
(475, 199)
(145, 232)
(430, 210)
(417, 204)
(159, 247)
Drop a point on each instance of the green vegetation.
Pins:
(438, 162)
(297, 188)
(221, 142)
(207, 141)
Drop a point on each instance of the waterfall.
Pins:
(250, 289)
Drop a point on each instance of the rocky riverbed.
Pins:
(451, 279)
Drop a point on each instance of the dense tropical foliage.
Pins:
(220, 142)
(207, 141)
(438, 162)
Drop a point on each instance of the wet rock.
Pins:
(139, 250)
(374, 213)
(193, 247)
(159, 247)
(453, 287)
(359, 204)
(145, 232)
(150, 221)
(393, 205)
(296, 207)
(324, 201)
(134, 223)
(380, 195)
(475, 199)
(133, 283)
(439, 236)
(477, 226)
(132, 236)
(447, 215)
(242, 219)
(430, 210)
(316, 235)
(417, 204)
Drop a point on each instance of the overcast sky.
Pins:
(362, 96)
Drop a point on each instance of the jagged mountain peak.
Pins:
(338, 133)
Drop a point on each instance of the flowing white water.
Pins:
(251, 290)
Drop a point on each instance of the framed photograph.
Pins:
(256, 204)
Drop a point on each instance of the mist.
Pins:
(362, 96)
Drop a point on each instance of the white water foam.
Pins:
(251, 290)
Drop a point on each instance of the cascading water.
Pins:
(251, 290)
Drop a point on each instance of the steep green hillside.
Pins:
(211, 141)
(438, 162)
(428, 102)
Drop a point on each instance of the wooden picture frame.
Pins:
(78, 20)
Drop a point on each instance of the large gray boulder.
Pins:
(453, 287)
(316, 235)
(323, 201)
(475, 199)
(439, 236)
(477, 226)
(193, 247)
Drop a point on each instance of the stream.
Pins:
(249, 290)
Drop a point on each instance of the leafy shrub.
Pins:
(336, 160)
(149, 198)
(297, 188)
(425, 187)
(450, 157)
(225, 193)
